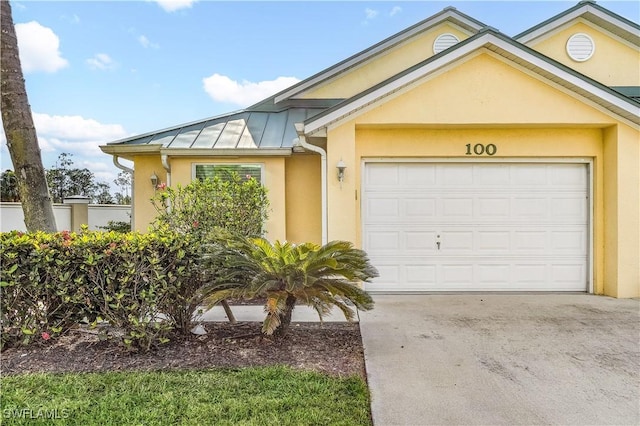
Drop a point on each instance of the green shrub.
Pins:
(40, 297)
(117, 225)
(52, 281)
(206, 208)
(237, 205)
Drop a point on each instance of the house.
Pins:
(458, 157)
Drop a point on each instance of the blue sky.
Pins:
(98, 71)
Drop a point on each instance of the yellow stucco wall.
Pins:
(144, 167)
(615, 62)
(181, 173)
(303, 189)
(273, 179)
(486, 100)
(378, 69)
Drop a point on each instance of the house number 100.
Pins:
(479, 149)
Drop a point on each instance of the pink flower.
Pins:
(45, 335)
(162, 186)
(195, 223)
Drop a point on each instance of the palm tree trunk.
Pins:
(285, 317)
(22, 140)
(228, 311)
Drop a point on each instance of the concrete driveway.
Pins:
(503, 359)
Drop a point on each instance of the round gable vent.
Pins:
(443, 42)
(580, 47)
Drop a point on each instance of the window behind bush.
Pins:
(204, 171)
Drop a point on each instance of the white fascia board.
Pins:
(322, 122)
(130, 149)
(571, 16)
(373, 52)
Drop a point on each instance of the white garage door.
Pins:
(476, 226)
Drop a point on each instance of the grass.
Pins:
(247, 396)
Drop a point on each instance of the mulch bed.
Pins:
(333, 348)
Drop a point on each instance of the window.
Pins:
(204, 171)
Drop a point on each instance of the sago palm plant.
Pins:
(319, 276)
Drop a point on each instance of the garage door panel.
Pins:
(492, 207)
(569, 207)
(501, 226)
(490, 241)
(568, 175)
(455, 175)
(493, 274)
(383, 176)
(383, 241)
(529, 175)
(421, 274)
(417, 175)
(456, 274)
(574, 242)
(459, 207)
(492, 175)
(530, 241)
(420, 241)
(382, 208)
(419, 209)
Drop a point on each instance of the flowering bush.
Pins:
(50, 282)
(238, 205)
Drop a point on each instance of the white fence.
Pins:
(12, 218)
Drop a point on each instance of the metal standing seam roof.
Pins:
(240, 130)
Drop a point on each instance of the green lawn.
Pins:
(247, 396)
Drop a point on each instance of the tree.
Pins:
(123, 181)
(319, 276)
(9, 185)
(20, 131)
(65, 180)
(102, 194)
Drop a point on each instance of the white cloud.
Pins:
(173, 5)
(39, 48)
(371, 13)
(223, 89)
(146, 43)
(395, 10)
(75, 135)
(101, 61)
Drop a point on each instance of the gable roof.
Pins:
(589, 11)
(489, 38)
(449, 14)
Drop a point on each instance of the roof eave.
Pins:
(130, 149)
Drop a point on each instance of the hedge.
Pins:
(144, 285)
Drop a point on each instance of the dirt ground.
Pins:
(333, 348)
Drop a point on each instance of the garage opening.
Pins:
(477, 226)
